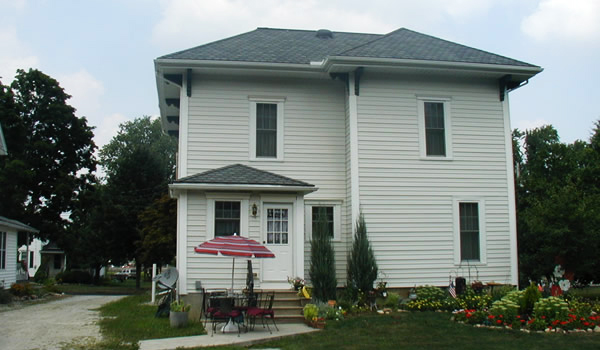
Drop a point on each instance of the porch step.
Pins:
(287, 306)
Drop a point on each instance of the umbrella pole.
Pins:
(232, 268)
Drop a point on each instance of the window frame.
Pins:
(3, 246)
(211, 199)
(279, 101)
(337, 218)
(446, 101)
(482, 231)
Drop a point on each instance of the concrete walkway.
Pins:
(258, 335)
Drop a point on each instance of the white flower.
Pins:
(558, 272)
(564, 285)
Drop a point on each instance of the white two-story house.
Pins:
(413, 131)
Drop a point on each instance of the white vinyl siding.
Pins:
(408, 202)
(8, 274)
(219, 134)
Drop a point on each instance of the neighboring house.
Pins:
(9, 268)
(32, 254)
(53, 258)
(275, 125)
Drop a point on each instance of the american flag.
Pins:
(452, 289)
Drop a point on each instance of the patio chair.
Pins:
(223, 311)
(264, 311)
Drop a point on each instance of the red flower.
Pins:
(499, 321)
(543, 317)
(531, 321)
(563, 323)
(522, 321)
(491, 317)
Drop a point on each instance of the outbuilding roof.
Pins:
(270, 45)
(19, 226)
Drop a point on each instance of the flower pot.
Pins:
(178, 319)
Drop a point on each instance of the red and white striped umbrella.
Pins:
(234, 246)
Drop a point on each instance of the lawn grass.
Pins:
(425, 330)
(107, 288)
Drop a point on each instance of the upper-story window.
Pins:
(266, 129)
(435, 128)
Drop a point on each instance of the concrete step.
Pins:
(287, 310)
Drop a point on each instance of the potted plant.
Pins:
(178, 315)
(296, 282)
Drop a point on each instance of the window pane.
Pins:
(227, 218)
(327, 214)
(266, 130)
(469, 231)
(435, 137)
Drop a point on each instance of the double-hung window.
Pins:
(329, 212)
(470, 234)
(434, 128)
(3, 250)
(266, 129)
(227, 218)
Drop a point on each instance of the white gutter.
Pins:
(185, 64)
(332, 61)
(240, 187)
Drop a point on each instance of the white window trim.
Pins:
(482, 230)
(244, 200)
(337, 218)
(280, 122)
(447, 126)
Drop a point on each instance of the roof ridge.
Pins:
(372, 41)
(315, 30)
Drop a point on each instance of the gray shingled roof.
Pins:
(268, 45)
(19, 226)
(238, 174)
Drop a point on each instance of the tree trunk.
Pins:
(138, 273)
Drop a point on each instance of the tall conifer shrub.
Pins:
(322, 262)
(362, 266)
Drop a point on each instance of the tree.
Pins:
(322, 262)
(139, 163)
(50, 156)
(362, 266)
(159, 229)
(558, 206)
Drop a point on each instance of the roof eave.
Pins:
(20, 227)
(526, 72)
(177, 187)
(189, 63)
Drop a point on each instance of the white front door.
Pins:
(278, 234)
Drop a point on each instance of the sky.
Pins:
(102, 52)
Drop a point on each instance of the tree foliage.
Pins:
(50, 153)
(158, 231)
(322, 262)
(362, 266)
(558, 205)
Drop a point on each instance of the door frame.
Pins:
(297, 240)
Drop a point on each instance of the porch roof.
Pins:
(241, 177)
(19, 226)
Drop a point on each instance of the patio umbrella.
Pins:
(234, 246)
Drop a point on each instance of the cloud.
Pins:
(186, 23)
(14, 55)
(577, 20)
(108, 128)
(85, 91)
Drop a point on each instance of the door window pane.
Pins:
(277, 226)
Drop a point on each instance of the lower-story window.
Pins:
(227, 218)
(469, 232)
(2, 250)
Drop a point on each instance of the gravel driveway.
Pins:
(50, 325)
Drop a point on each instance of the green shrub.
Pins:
(21, 289)
(529, 298)
(430, 298)
(41, 274)
(505, 310)
(311, 312)
(498, 293)
(362, 266)
(180, 306)
(5, 297)
(75, 276)
(551, 308)
(322, 262)
(470, 299)
(392, 300)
